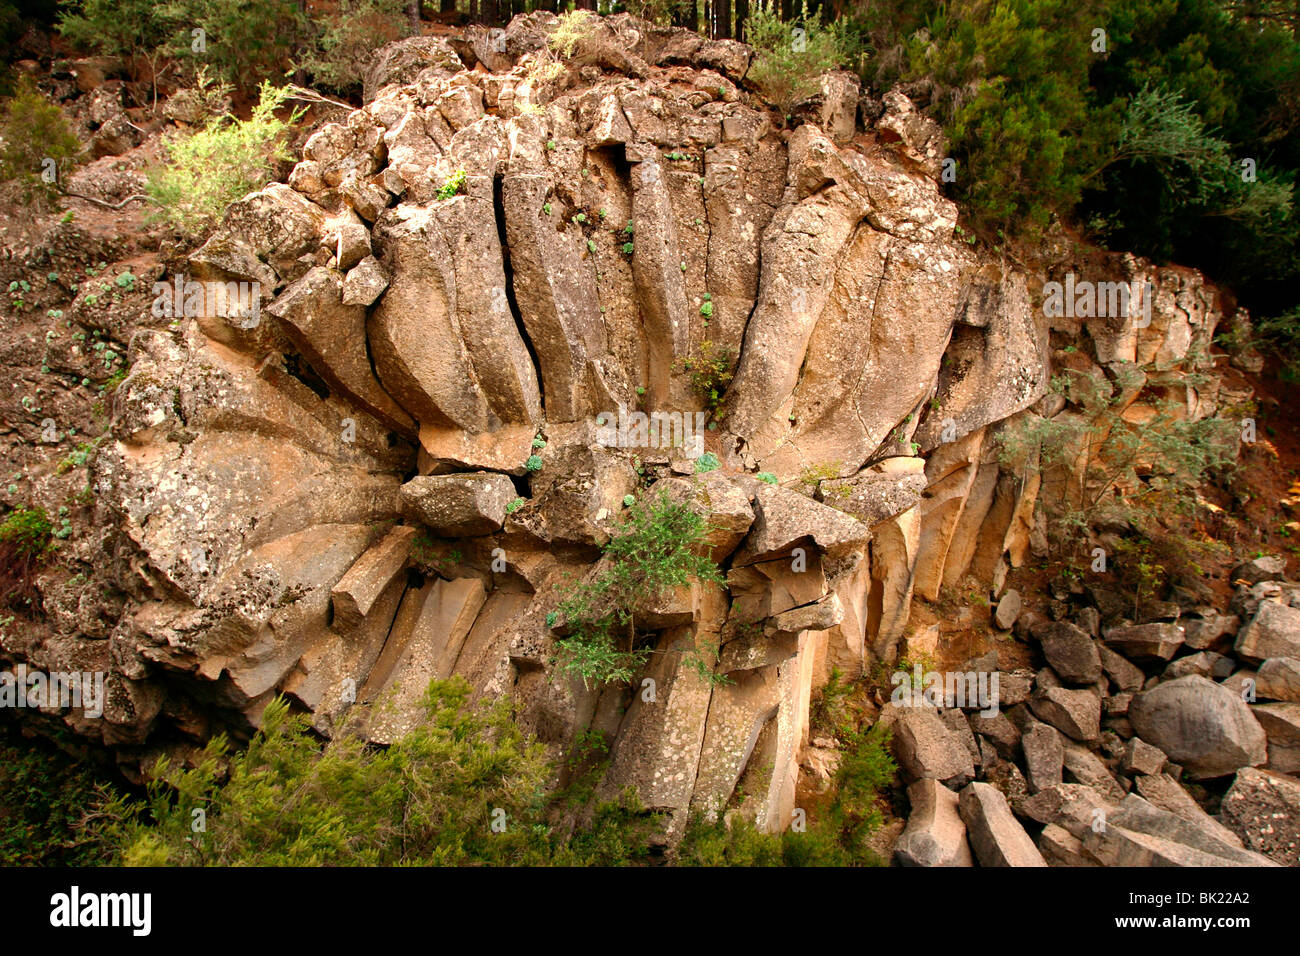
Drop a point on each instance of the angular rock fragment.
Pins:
(1278, 678)
(995, 835)
(1146, 642)
(928, 750)
(1044, 756)
(1141, 758)
(1273, 632)
(935, 834)
(1281, 723)
(458, 506)
(1071, 653)
(367, 579)
(1076, 713)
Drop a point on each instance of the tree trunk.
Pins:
(684, 14)
(742, 14)
(489, 12)
(413, 15)
(787, 9)
(721, 26)
(447, 6)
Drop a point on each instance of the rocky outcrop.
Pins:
(489, 300)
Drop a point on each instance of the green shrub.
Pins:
(431, 798)
(1139, 473)
(27, 532)
(26, 539)
(572, 33)
(50, 806)
(348, 38)
(245, 43)
(786, 70)
(208, 170)
(656, 549)
(1129, 141)
(33, 131)
(838, 837)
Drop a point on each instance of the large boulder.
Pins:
(1201, 725)
(928, 750)
(402, 61)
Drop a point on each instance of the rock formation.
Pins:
(391, 474)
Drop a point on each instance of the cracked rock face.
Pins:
(391, 474)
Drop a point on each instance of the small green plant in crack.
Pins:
(534, 463)
(814, 475)
(706, 462)
(657, 548)
(455, 183)
(427, 554)
(514, 506)
(766, 477)
(710, 370)
(77, 458)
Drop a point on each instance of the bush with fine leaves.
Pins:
(208, 170)
(34, 132)
(464, 787)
